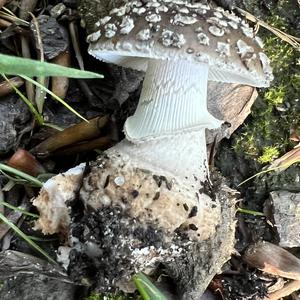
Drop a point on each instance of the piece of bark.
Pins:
(6, 88)
(287, 217)
(273, 259)
(53, 35)
(231, 103)
(60, 84)
(21, 272)
(14, 116)
(288, 289)
(71, 135)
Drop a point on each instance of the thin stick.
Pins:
(288, 289)
(2, 3)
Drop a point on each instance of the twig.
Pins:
(288, 289)
(292, 40)
(39, 94)
(2, 3)
(26, 53)
(75, 38)
(71, 135)
(6, 88)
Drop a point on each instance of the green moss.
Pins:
(269, 154)
(277, 109)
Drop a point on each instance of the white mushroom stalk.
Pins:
(170, 120)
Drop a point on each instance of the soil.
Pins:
(117, 95)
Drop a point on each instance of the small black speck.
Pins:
(197, 195)
(156, 196)
(134, 193)
(158, 180)
(193, 227)
(193, 212)
(106, 182)
(168, 185)
(185, 206)
(213, 206)
(178, 204)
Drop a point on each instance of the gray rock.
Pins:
(25, 277)
(14, 116)
(287, 217)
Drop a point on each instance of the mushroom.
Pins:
(181, 46)
(150, 197)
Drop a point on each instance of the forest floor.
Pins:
(269, 132)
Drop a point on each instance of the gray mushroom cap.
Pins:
(133, 33)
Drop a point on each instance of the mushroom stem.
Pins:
(168, 127)
(182, 156)
(173, 100)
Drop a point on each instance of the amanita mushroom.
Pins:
(150, 194)
(180, 46)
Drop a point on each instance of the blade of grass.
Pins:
(270, 170)
(21, 174)
(250, 212)
(26, 238)
(37, 115)
(146, 288)
(23, 211)
(13, 65)
(55, 97)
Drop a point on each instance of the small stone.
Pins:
(57, 10)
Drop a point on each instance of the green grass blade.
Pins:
(22, 211)
(250, 212)
(146, 288)
(26, 238)
(21, 174)
(55, 97)
(283, 166)
(37, 116)
(13, 65)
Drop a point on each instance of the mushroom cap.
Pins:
(164, 29)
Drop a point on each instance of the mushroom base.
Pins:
(136, 220)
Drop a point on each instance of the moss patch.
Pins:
(277, 110)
